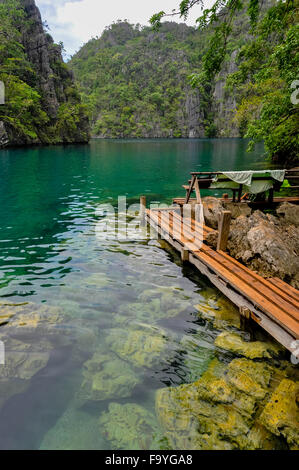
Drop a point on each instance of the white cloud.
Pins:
(76, 21)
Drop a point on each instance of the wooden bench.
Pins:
(203, 180)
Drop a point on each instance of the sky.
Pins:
(74, 22)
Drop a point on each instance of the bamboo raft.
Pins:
(271, 303)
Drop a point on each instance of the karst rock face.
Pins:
(54, 82)
(40, 53)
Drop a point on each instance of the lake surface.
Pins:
(94, 327)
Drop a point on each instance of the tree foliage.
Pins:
(267, 68)
(134, 81)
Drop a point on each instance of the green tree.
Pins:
(268, 67)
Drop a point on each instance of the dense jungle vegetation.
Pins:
(233, 75)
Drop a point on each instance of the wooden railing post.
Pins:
(142, 211)
(223, 230)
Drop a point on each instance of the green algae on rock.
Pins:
(130, 426)
(250, 378)
(197, 355)
(220, 311)
(105, 376)
(30, 318)
(220, 410)
(155, 304)
(142, 345)
(281, 414)
(252, 350)
(98, 281)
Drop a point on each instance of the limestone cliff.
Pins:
(46, 79)
(136, 82)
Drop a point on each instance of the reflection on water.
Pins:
(115, 344)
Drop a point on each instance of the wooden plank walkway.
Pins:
(270, 302)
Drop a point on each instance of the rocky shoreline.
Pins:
(267, 243)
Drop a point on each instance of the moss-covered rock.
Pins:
(259, 438)
(220, 312)
(201, 415)
(129, 427)
(192, 423)
(220, 410)
(213, 386)
(97, 281)
(252, 350)
(197, 355)
(31, 318)
(142, 345)
(251, 378)
(154, 304)
(105, 376)
(281, 414)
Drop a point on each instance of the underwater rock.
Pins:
(5, 317)
(23, 365)
(44, 324)
(252, 378)
(259, 438)
(22, 362)
(98, 280)
(107, 377)
(142, 345)
(76, 429)
(31, 318)
(197, 355)
(200, 416)
(213, 385)
(192, 424)
(129, 427)
(281, 414)
(220, 311)
(252, 350)
(155, 304)
(220, 410)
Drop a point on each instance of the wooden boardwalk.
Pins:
(272, 303)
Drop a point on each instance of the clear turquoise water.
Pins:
(51, 258)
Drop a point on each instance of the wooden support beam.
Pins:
(223, 230)
(245, 312)
(142, 211)
(185, 255)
